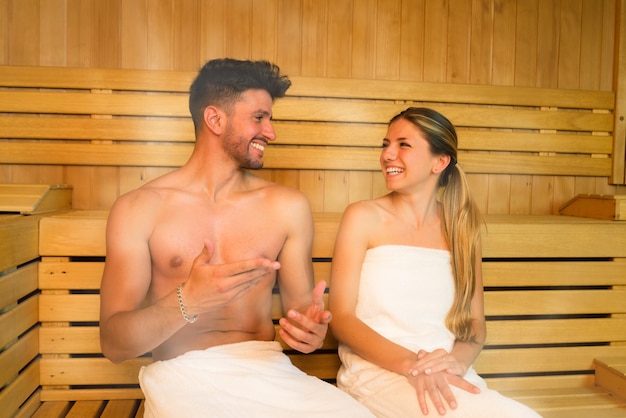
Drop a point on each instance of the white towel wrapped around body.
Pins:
(405, 293)
(248, 379)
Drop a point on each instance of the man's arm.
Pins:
(127, 329)
(306, 323)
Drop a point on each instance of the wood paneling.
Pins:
(561, 44)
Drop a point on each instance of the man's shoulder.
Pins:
(137, 200)
(278, 193)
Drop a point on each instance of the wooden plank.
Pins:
(58, 394)
(17, 284)
(54, 409)
(81, 128)
(533, 142)
(179, 81)
(28, 408)
(611, 208)
(20, 389)
(141, 410)
(555, 331)
(555, 403)
(86, 409)
(509, 361)
(553, 273)
(288, 133)
(75, 308)
(70, 340)
(70, 275)
(122, 408)
(16, 321)
(449, 92)
(95, 78)
(87, 275)
(93, 103)
(86, 307)
(554, 302)
(175, 155)
(301, 109)
(568, 382)
(362, 111)
(504, 236)
(29, 199)
(618, 175)
(83, 236)
(71, 371)
(17, 356)
(611, 375)
(323, 366)
(616, 411)
(19, 240)
(86, 340)
(552, 236)
(82, 233)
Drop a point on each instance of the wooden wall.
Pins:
(569, 44)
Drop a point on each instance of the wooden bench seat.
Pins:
(554, 300)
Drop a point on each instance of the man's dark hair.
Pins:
(220, 82)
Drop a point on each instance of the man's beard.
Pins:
(232, 147)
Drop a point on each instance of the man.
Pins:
(192, 258)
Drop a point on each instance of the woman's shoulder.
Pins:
(367, 212)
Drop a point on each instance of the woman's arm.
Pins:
(463, 353)
(351, 244)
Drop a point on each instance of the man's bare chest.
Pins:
(231, 235)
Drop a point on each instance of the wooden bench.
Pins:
(555, 291)
(555, 285)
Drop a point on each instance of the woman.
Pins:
(406, 283)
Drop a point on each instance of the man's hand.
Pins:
(211, 286)
(306, 331)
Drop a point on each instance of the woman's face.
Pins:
(406, 159)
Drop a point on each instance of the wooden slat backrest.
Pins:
(19, 332)
(551, 306)
(142, 117)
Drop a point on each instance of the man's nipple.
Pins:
(176, 261)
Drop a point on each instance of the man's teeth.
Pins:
(394, 170)
(258, 146)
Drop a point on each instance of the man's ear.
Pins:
(214, 119)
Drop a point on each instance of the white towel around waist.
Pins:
(248, 379)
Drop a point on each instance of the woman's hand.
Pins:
(437, 361)
(434, 372)
(437, 384)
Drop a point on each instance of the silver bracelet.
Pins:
(181, 304)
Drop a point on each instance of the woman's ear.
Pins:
(214, 119)
(441, 163)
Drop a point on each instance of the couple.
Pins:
(192, 258)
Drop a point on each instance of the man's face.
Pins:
(249, 129)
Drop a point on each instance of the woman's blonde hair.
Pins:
(461, 218)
